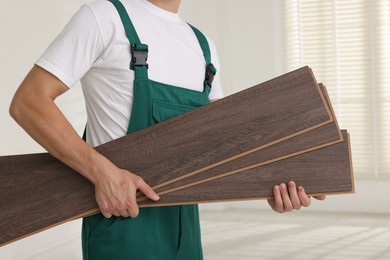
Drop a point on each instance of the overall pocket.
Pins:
(163, 110)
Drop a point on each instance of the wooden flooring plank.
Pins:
(224, 130)
(317, 138)
(37, 191)
(323, 171)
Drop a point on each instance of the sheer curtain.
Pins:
(347, 44)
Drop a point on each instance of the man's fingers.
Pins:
(123, 212)
(119, 199)
(132, 207)
(133, 211)
(104, 209)
(147, 190)
(289, 197)
(305, 200)
(286, 198)
(321, 197)
(106, 214)
(277, 202)
(292, 190)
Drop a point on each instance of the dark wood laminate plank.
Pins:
(323, 171)
(224, 130)
(314, 139)
(37, 191)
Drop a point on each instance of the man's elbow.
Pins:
(15, 108)
(21, 105)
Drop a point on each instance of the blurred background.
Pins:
(345, 42)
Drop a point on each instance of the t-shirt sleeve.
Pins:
(76, 50)
(216, 89)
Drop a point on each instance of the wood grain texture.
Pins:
(316, 138)
(323, 171)
(224, 130)
(37, 191)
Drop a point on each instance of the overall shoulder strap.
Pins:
(127, 23)
(210, 69)
(139, 51)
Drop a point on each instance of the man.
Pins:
(105, 46)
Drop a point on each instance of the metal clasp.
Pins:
(139, 56)
(210, 73)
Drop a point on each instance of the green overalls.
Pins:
(163, 233)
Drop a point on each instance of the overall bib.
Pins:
(161, 233)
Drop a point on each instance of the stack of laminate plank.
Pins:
(237, 148)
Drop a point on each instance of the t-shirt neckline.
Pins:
(159, 11)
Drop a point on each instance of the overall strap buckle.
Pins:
(139, 55)
(210, 73)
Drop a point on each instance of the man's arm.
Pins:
(34, 109)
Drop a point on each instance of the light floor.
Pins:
(263, 234)
(248, 234)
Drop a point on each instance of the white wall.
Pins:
(26, 30)
(247, 34)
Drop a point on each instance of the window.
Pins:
(347, 44)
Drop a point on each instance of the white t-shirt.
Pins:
(94, 49)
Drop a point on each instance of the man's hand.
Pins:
(116, 193)
(289, 197)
